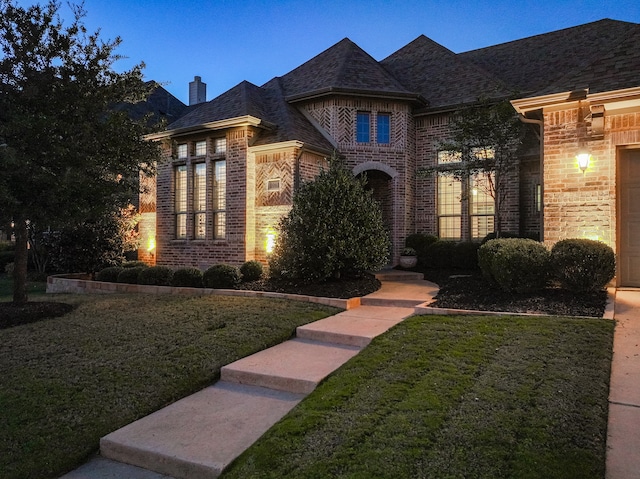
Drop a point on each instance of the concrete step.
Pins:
(198, 436)
(391, 303)
(398, 275)
(356, 327)
(295, 366)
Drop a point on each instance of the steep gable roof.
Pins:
(531, 65)
(243, 99)
(440, 76)
(342, 68)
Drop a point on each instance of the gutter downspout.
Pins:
(540, 124)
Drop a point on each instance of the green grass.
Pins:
(66, 382)
(453, 397)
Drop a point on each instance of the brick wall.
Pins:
(578, 205)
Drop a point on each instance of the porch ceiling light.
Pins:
(583, 161)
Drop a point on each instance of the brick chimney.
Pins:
(197, 91)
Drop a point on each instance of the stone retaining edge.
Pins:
(81, 283)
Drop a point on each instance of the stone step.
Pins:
(295, 366)
(355, 327)
(198, 436)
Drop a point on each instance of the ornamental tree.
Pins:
(333, 230)
(484, 142)
(68, 150)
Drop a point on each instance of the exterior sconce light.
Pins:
(151, 246)
(583, 161)
(270, 243)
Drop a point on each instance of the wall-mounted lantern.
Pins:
(584, 159)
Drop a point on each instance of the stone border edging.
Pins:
(81, 283)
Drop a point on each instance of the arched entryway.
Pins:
(380, 180)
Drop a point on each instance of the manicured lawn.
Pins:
(453, 397)
(66, 382)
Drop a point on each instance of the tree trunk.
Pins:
(20, 262)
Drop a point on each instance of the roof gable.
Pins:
(344, 67)
(439, 75)
(243, 99)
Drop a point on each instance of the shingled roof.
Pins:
(441, 77)
(342, 68)
(561, 60)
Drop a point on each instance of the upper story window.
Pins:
(201, 148)
(220, 145)
(200, 200)
(383, 123)
(363, 127)
(182, 151)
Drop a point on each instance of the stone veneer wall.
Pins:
(578, 205)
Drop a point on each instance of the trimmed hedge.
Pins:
(221, 276)
(130, 275)
(420, 242)
(465, 255)
(110, 274)
(135, 264)
(187, 278)
(440, 254)
(516, 264)
(251, 271)
(583, 265)
(155, 276)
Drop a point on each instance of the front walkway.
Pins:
(198, 436)
(623, 433)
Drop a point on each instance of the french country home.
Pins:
(232, 164)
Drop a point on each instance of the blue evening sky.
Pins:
(228, 41)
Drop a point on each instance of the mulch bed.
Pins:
(472, 291)
(344, 288)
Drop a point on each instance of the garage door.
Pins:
(629, 218)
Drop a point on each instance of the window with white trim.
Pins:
(201, 148)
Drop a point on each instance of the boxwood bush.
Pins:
(221, 276)
(156, 276)
(130, 275)
(109, 274)
(465, 255)
(187, 278)
(583, 265)
(516, 264)
(439, 254)
(251, 271)
(134, 264)
(420, 242)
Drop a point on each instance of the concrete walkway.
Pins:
(198, 436)
(623, 433)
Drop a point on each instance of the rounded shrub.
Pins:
(465, 255)
(519, 265)
(156, 276)
(221, 276)
(251, 271)
(503, 235)
(583, 265)
(439, 254)
(135, 264)
(110, 274)
(187, 278)
(486, 253)
(130, 275)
